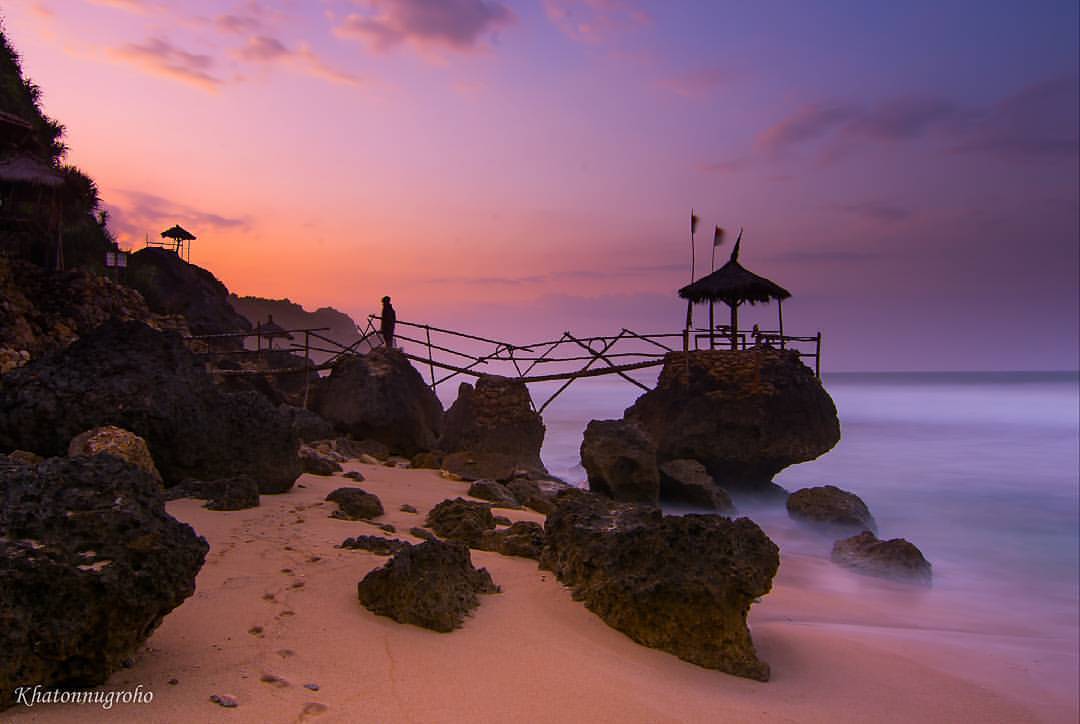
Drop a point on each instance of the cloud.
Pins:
(238, 24)
(140, 7)
(133, 214)
(456, 24)
(876, 211)
(695, 83)
(159, 57)
(592, 21)
(266, 49)
(616, 273)
(1039, 121)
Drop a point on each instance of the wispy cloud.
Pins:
(132, 214)
(160, 57)
(695, 83)
(140, 7)
(536, 279)
(459, 25)
(267, 49)
(593, 21)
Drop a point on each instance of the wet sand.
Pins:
(277, 599)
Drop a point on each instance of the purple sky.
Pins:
(908, 170)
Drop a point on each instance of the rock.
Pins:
(400, 463)
(620, 460)
(433, 585)
(307, 425)
(128, 375)
(171, 285)
(116, 442)
(502, 520)
(831, 507)
(687, 481)
(745, 415)
(226, 700)
(311, 687)
(524, 539)
(428, 460)
(355, 449)
(532, 495)
(368, 460)
(279, 389)
(375, 544)
(24, 457)
(896, 558)
(406, 508)
(381, 396)
(422, 533)
(494, 417)
(236, 493)
(355, 475)
(683, 584)
(90, 564)
(355, 504)
(494, 492)
(470, 466)
(461, 520)
(387, 528)
(314, 462)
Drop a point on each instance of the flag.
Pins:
(735, 251)
(718, 237)
(693, 221)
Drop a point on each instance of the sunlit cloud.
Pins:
(135, 214)
(460, 25)
(158, 56)
(266, 49)
(140, 7)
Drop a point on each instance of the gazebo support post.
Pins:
(712, 326)
(735, 326)
(780, 320)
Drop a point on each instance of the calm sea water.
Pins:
(980, 470)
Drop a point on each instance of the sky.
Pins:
(909, 171)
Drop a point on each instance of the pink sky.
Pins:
(525, 167)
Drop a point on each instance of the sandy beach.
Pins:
(277, 599)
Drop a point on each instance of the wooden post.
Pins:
(735, 326)
(817, 357)
(712, 325)
(780, 320)
(431, 360)
(307, 367)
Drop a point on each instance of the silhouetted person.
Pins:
(389, 319)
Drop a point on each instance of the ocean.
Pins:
(980, 470)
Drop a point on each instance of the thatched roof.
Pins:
(733, 284)
(179, 233)
(26, 169)
(273, 329)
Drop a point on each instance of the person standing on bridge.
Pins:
(388, 319)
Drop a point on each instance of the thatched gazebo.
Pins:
(31, 202)
(733, 285)
(271, 330)
(179, 235)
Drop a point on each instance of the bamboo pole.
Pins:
(307, 368)
(625, 376)
(735, 326)
(431, 360)
(780, 320)
(569, 380)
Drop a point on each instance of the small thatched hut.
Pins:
(178, 235)
(733, 285)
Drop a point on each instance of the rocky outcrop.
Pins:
(620, 460)
(495, 493)
(683, 584)
(280, 388)
(464, 521)
(355, 504)
(495, 418)
(896, 558)
(90, 564)
(524, 539)
(687, 481)
(290, 315)
(117, 442)
(470, 466)
(830, 507)
(236, 493)
(128, 375)
(433, 585)
(380, 396)
(171, 285)
(307, 425)
(535, 494)
(745, 415)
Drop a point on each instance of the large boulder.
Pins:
(524, 539)
(495, 493)
(495, 417)
(683, 584)
(433, 584)
(380, 396)
(620, 459)
(687, 481)
(237, 493)
(171, 285)
(90, 564)
(745, 415)
(464, 521)
(896, 558)
(131, 376)
(470, 466)
(117, 442)
(317, 462)
(830, 507)
(355, 504)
